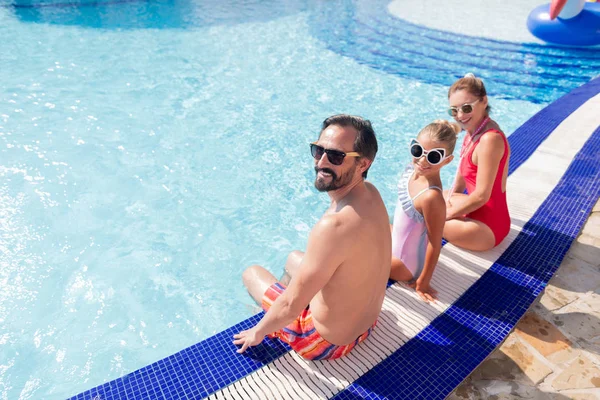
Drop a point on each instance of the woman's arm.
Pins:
(458, 186)
(433, 209)
(489, 153)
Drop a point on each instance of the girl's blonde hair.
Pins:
(442, 131)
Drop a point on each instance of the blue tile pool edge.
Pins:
(213, 363)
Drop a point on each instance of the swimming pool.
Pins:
(152, 150)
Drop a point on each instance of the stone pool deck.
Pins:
(554, 351)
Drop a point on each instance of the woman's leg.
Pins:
(469, 234)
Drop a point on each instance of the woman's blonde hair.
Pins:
(442, 131)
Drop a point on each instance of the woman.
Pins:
(478, 220)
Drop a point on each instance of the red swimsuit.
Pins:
(494, 213)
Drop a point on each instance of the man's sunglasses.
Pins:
(466, 108)
(335, 157)
(434, 156)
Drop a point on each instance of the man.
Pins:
(336, 289)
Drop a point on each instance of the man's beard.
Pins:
(335, 182)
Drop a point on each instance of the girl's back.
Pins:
(409, 231)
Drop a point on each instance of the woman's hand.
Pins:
(451, 212)
(251, 337)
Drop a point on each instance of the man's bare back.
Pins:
(351, 301)
(342, 275)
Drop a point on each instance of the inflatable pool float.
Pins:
(566, 22)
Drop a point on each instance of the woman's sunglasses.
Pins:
(466, 108)
(335, 157)
(434, 156)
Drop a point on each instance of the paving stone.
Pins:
(586, 248)
(541, 334)
(581, 373)
(555, 298)
(466, 391)
(565, 356)
(512, 362)
(588, 303)
(580, 320)
(576, 275)
(592, 225)
(495, 390)
(575, 396)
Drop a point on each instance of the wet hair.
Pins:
(471, 84)
(442, 131)
(365, 143)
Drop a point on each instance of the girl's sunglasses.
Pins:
(466, 108)
(434, 156)
(335, 157)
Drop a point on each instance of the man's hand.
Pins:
(248, 338)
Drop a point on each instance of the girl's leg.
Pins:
(469, 234)
(399, 272)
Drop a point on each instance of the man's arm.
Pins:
(324, 253)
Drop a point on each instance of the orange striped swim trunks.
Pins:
(301, 334)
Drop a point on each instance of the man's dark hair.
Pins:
(365, 143)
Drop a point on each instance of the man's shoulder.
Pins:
(372, 189)
(338, 226)
(331, 223)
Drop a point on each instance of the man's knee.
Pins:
(258, 278)
(293, 260)
(250, 274)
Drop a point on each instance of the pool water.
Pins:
(150, 151)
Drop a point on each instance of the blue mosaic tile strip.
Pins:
(193, 373)
(433, 363)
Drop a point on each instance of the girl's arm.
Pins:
(433, 209)
(489, 154)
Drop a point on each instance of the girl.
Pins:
(421, 209)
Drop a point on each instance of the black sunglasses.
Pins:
(466, 108)
(335, 157)
(434, 156)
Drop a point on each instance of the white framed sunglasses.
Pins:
(466, 108)
(433, 156)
